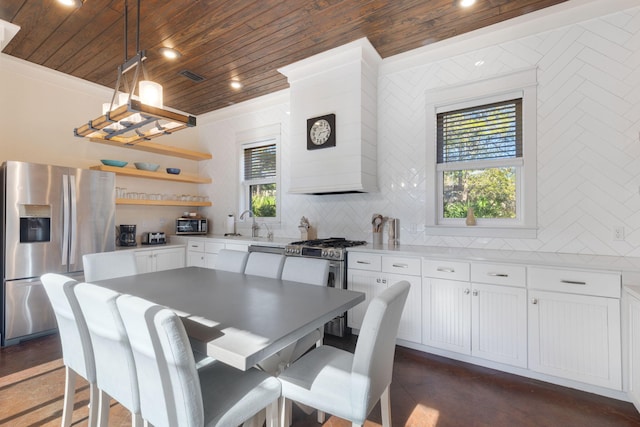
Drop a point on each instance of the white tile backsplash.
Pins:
(588, 148)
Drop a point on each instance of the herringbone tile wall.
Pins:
(588, 144)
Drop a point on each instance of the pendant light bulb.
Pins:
(150, 93)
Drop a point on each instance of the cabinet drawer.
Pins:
(364, 261)
(401, 265)
(195, 246)
(499, 274)
(575, 281)
(213, 248)
(452, 270)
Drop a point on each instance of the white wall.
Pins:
(39, 108)
(588, 123)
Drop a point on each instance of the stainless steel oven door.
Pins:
(337, 279)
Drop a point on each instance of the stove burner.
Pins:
(331, 242)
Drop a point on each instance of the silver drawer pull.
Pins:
(401, 265)
(498, 274)
(446, 270)
(363, 262)
(573, 282)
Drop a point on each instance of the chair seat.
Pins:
(229, 395)
(321, 379)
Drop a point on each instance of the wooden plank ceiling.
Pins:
(221, 40)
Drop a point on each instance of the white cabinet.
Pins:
(371, 274)
(203, 253)
(633, 317)
(499, 313)
(486, 320)
(150, 260)
(574, 325)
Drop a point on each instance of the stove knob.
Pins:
(331, 253)
(324, 253)
(298, 251)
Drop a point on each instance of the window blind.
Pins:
(485, 132)
(260, 162)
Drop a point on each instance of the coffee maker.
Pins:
(127, 235)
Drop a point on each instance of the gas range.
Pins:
(332, 248)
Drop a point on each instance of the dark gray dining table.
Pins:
(238, 319)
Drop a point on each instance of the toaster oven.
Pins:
(192, 226)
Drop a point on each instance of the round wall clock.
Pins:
(321, 132)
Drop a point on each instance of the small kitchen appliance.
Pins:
(334, 250)
(127, 235)
(190, 225)
(154, 238)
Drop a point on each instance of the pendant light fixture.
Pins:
(129, 120)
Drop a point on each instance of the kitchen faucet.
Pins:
(255, 228)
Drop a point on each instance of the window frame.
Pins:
(253, 139)
(519, 84)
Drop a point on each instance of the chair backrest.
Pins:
(108, 265)
(170, 393)
(77, 351)
(230, 260)
(373, 358)
(115, 367)
(265, 265)
(313, 271)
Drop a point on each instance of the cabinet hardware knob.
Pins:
(475, 292)
(466, 291)
(534, 301)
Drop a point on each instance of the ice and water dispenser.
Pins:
(35, 223)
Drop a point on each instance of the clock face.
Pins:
(321, 132)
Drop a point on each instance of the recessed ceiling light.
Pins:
(71, 3)
(467, 3)
(235, 84)
(479, 63)
(170, 53)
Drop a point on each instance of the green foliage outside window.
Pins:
(491, 193)
(263, 200)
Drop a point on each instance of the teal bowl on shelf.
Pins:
(146, 166)
(173, 171)
(116, 163)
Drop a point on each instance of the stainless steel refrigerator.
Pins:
(51, 216)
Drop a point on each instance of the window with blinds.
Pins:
(260, 162)
(260, 176)
(485, 132)
(479, 157)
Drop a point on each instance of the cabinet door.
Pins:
(167, 259)
(634, 351)
(499, 323)
(575, 337)
(196, 259)
(144, 261)
(410, 328)
(446, 314)
(210, 260)
(371, 283)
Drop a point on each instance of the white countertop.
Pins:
(628, 266)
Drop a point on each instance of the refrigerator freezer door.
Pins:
(92, 214)
(27, 310)
(33, 192)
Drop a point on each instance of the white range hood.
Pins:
(342, 81)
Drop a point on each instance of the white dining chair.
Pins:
(109, 265)
(349, 385)
(173, 392)
(115, 367)
(265, 265)
(77, 352)
(230, 260)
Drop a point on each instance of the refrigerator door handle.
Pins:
(65, 218)
(74, 221)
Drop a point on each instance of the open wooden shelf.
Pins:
(153, 175)
(143, 202)
(152, 147)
